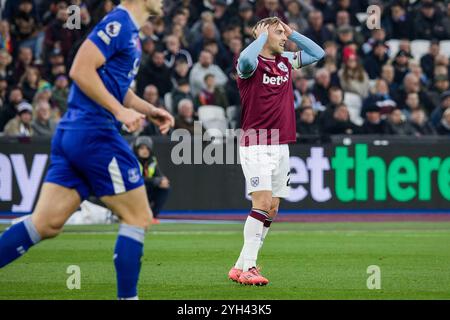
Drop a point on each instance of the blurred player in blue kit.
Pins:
(88, 154)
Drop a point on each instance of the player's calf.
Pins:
(15, 241)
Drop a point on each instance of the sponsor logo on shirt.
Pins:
(275, 80)
(113, 29)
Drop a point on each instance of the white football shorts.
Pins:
(266, 168)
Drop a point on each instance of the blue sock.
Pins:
(127, 259)
(15, 241)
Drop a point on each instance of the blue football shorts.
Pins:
(93, 162)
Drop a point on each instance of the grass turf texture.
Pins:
(191, 261)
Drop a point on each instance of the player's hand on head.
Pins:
(162, 119)
(263, 27)
(130, 118)
(288, 30)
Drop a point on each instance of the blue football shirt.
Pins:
(117, 37)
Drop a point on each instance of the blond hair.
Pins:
(270, 21)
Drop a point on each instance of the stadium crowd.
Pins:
(370, 82)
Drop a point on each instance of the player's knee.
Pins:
(49, 230)
(147, 221)
(262, 204)
(273, 212)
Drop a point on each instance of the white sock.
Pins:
(264, 234)
(253, 230)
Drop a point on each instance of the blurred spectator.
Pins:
(345, 36)
(437, 113)
(352, 76)
(3, 91)
(411, 84)
(416, 69)
(211, 94)
(443, 127)
(181, 91)
(301, 90)
(43, 125)
(429, 23)
(208, 33)
(25, 27)
(373, 123)
(157, 184)
(340, 123)
(232, 90)
(399, 24)
(442, 61)
(441, 84)
(377, 35)
(247, 20)
(222, 15)
(297, 13)
(350, 7)
(9, 108)
(233, 51)
(30, 82)
(321, 85)
(401, 66)
(420, 123)
(60, 93)
(380, 97)
(174, 52)
(412, 103)
(427, 61)
(24, 60)
(317, 31)
(185, 117)
(388, 74)
(5, 36)
(375, 61)
(195, 34)
(271, 8)
(154, 72)
(324, 7)
(20, 126)
(398, 125)
(306, 122)
(58, 38)
(151, 95)
(180, 71)
(201, 68)
(6, 71)
(336, 98)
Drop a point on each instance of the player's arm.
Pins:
(310, 51)
(161, 118)
(248, 59)
(84, 73)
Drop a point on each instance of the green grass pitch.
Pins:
(191, 261)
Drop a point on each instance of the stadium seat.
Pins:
(394, 46)
(232, 116)
(419, 48)
(213, 117)
(354, 105)
(168, 102)
(445, 47)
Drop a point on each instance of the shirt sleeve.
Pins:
(248, 59)
(311, 52)
(109, 36)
